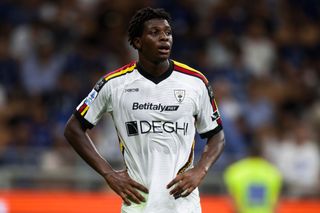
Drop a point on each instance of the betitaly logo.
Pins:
(156, 107)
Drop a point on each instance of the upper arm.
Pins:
(91, 109)
(73, 128)
(208, 118)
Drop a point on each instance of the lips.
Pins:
(164, 48)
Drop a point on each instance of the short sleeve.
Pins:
(208, 121)
(92, 108)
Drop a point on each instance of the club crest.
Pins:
(179, 94)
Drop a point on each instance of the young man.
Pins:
(156, 104)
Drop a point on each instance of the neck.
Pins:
(154, 69)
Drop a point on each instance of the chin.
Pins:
(162, 58)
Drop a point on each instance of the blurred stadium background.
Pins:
(261, 56)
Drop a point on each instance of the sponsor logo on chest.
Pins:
(154, 107)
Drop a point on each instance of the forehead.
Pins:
(156, 23)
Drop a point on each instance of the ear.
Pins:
(137, 43)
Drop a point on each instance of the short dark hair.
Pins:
(136, 23)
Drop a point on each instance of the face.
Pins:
(156, 41)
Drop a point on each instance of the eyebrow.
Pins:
(157, 27)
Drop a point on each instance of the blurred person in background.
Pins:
(9, 67)
(230, 110)
(253, 183)
(258, 110)
(17, 153)
(41, 68)
(298, 160)
(157, 105)
(258, 50)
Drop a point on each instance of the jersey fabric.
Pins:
(156, 119)
(254, 185)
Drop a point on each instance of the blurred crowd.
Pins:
(262, 57)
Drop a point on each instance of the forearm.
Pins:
(84, 146)
(211, 153)
(186, 182)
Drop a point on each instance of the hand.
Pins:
(125, 187)
(186, 182)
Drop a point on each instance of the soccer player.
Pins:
(157, 105)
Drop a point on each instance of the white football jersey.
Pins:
(156, 119)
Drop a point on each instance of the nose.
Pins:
(164, 36)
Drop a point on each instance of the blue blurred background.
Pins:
(262, 58)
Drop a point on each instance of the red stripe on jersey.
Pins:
(119, 69)
(213, 103)
(84, 105)
(190, 72)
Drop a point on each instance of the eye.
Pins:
(153, 32)
(168, 32)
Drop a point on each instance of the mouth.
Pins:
(164, 49)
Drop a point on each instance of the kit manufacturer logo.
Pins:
(132, 90)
